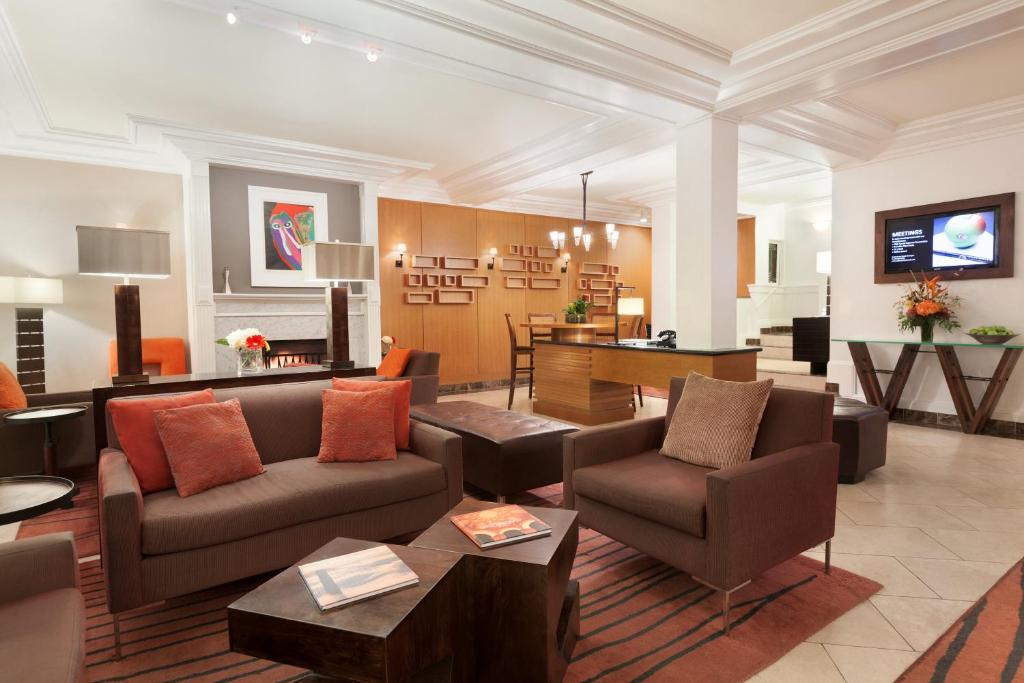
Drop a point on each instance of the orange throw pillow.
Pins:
(12, 396)
(401, 392)
(207, 445)
(358, 427)
(136, 432)
(394, 363)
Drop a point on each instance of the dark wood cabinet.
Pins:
(811, 342)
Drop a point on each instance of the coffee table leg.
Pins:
(49, 451)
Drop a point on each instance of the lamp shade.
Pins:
(31, 290)
(633, 305)
(824, 262)
(337, 261)
(122, 252)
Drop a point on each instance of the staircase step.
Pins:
(780, 340)
(776, 352)
(791, 367)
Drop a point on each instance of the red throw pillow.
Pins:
(401, 392)
(207, 445)
(394, 363)
(136, 432)
(12, 396)
(358, 427)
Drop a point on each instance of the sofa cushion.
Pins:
(288, 493)
(42, 637)
(359, 426)
(401, 395)
(651, 486)
(393, 364)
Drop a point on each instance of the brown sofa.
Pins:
(22, 445)
(723, 527)
(42, 615)
(160, 545)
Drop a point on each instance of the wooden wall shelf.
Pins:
(545, 283)
(514, 265)
(536, 266)
(515, 282)
(547, 252)
(432, 280)
(549, 267)
(529, 250)
(513, 250)
(474, 281)
(604, 285)
(594, 269)
(614, 270)
(449, 280)
(419, 298)
(585, 297)
(460, 263)
(455, 296)
(426, 261)
(601, 300)
(413, 280)
(583, 283)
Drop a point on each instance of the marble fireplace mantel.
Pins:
(285, 316)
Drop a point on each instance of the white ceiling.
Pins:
(491, 101)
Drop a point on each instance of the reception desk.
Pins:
(592, 383)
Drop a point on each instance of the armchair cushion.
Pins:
(393, 364)
(651, 486)
(42, 637)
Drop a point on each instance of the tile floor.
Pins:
(937, 526)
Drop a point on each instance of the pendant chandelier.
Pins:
(580, 233)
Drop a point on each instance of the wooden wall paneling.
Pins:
(548, 300)
(633, 258)
(451, 330)
(497, 227)
(399, 222)
(745, 256)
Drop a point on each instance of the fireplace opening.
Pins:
(290, 353)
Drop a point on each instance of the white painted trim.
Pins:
(276, 298)
(370, 234)
(199, 267)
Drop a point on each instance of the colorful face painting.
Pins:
(286, 228)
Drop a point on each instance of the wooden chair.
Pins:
(515, 351)
(608, 320)
(540, 332)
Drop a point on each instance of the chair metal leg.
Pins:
(117, 636)
(725, 611)
(828, 556)
(640, 394)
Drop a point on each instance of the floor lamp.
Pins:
(125, 253)
(336, 263)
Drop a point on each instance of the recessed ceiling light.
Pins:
(372, 55)
(232, 18)
(306, 37)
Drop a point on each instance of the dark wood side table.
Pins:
(972, 418)
(46, 417)
(406, 635)
(521, 612)
(26, 497)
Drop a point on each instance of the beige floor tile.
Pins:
(881, 540)
(854, 492)
(869, 665)
(983, 546)
(895, 578)
(842, 519)
(898, 514)
(919, 620)
(989, 519)
(806, 663)
(992, 497)
(863, 626)
(918, 494)
(956, 579)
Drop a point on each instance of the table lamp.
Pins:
(336, 262)
(633, 305)
(125, 253)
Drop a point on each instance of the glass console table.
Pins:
(972, 417)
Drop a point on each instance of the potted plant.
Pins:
(925, 305)
(576, 312)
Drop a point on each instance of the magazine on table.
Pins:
(356, 576)
(501, 526)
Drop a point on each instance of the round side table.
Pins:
(26, 497)
(46, 417)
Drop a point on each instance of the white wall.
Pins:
(863, 309)
(43, 202)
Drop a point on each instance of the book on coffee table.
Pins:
(356, 576)
(500, 526)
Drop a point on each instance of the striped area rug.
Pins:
(640, 620)
(985, 644)
(82, 519)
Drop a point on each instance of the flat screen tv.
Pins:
(963, 239)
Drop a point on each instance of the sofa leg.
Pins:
(117, 636)
(500, 498)
(725, 611)
(828, 556)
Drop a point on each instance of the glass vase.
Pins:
(927, 331)
(250, 361)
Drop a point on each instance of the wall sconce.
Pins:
(400, 261)
(577, 233)
(565, 262)
(493, 253)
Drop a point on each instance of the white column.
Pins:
(199, 267)
(705, 249)
(663, 267)
(369, 235)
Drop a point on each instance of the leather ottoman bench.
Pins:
(503, 452)
(861, 432)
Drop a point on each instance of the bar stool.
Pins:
(608, 321)
(540, 332)
(516, 369)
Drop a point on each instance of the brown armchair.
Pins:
(423, 370)
(723, 527)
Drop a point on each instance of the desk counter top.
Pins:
(648, 345)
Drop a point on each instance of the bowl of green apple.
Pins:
(992, 334)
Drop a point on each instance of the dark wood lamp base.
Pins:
(337, 357)
(128, 320)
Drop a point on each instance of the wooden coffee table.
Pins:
(520, 611)
(401, 636)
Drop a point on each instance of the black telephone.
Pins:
(667, 338)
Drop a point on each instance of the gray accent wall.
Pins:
(229, 217)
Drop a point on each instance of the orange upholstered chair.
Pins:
(160, 356)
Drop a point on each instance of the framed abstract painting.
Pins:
(280, 222)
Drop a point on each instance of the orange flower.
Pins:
(933, 285)
(928, 308)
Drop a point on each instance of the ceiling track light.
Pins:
(306, 36)
(373, 54)
(232, 16)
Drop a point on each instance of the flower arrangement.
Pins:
(926, 304)
(576, 311)
(386, 342)
(249, 344)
